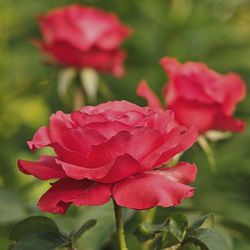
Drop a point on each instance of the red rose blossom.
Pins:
(81, 36)
(117, 150)
(199, 96)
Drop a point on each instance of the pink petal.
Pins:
(108, 128)
(121, 168)
(235, 88)
(155, 188)
(126, 142)
(191, 113)
(228, 123)
(46, 168)
(79, 172)
(144, 91)
(162, 121)
(81, 139)
(66, 191)
(176, 141)
(40, 139)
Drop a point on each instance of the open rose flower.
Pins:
(81, 36)
(116, 150)
(199, 96)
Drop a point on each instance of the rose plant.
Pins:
(113, 150)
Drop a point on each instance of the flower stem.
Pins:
(119, 226)
(71, 246)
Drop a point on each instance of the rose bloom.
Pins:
(80, 36)
(199, 96)
(116, 149)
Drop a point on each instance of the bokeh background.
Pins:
(216, 32)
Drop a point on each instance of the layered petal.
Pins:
(67, 191)
(155, 188)
(44, 169)
(176, 141)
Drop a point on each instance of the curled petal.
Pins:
(155, 188)
(67, 191)
(40, 139)
(144, 91)
(46, 168)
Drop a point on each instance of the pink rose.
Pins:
(82, 36)
(116, 149)
(199, 96)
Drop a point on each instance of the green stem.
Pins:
(119, 226)
(208, 151)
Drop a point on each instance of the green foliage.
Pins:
(42, 233)
(175, 233)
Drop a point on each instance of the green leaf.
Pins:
(189, 246)
(33, 224)
(207, 239)
(86, 226)
(206, 221)
(40, 241)
(172, 231)
(146, 231)
(177, 225)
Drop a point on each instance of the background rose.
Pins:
(82, 36)
(113, 149)
(199, 96)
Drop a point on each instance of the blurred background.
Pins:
(216, 32)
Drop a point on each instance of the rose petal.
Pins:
(67, 191)
(228, 123)
(81, 139)
(191, 113)
(123, 167)
(108, 128)
(177, 140)
(144, 91)
(155, 188)
(46, 168)
(40, 139)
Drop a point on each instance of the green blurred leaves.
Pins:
(176, 233)
(42, 233)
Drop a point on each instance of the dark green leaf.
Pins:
(206, 221)
(86, 226)
(31, 225)
(190, 246)
(177, 225)
(208, 239)
(146, 231)
(40, 241)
